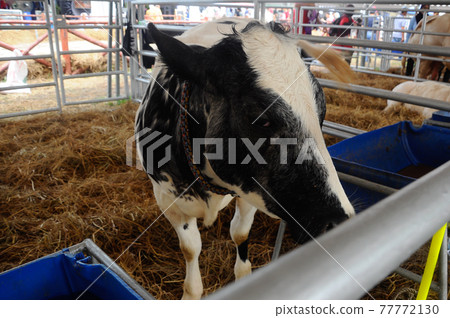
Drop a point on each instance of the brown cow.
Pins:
(439, 24)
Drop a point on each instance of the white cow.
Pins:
(427, 89)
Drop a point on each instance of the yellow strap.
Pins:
(433, 255)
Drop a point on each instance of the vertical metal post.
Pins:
(140, 48)
(58, 54)
(300, 17)
(110, 37)
(424, 22)
(133, 73)
(262, 9)
(52, 52)
(257, 9)
(124, 58)
(117, 40)
(279, 240)
(443, 268)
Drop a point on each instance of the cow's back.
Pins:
(439, 24)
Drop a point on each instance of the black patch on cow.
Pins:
(185, 226)
(226, 22)
(243, 250)
(319, 97)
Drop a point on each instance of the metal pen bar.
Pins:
(7, 88)
(148, 53)
(29, 112)
(361, 28)
(356, 255)
(100, 26)
(98, 100)
(415, 277)
(131, 16)
(142, 80)
(366, 184)
(109, 60)
(432, 50)
(336, 133)
(52, 53)
(165, 27)
(124, 59)
(344, 128)
(90, 51)
(25, 57)
(382, 93)
(118, 9)
(279, 240)
(60, 71)
(34, 27)
(92, 74)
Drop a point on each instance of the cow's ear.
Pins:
(182, 59)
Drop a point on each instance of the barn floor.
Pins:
(63, 178)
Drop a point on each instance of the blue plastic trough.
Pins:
(392, 156)
(67, 275)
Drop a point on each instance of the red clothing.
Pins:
(345, 20)
(3, 5)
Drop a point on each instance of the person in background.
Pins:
(400, 23)
(65, 7)
(154, 13)
(345, 19)
(4, 5)
(309, 16)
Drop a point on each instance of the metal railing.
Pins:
(48, 27)
(113, 24)
(116, 63)
(348, 261)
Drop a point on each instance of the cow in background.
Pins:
(427, 89)
(431, 69)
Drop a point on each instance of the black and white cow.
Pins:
(246, 84)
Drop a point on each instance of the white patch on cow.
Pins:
(191, 245)
(208, 34)
(242, 269)
(166, 196)
(280, 69)
(268, 53)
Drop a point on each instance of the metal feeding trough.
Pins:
(377, 163)
(82, 271)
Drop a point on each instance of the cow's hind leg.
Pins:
(239, 229)
(190, 244)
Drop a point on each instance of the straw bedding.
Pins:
(64, 178)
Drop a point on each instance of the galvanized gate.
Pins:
(57, 27)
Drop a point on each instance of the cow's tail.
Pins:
(331, 59)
